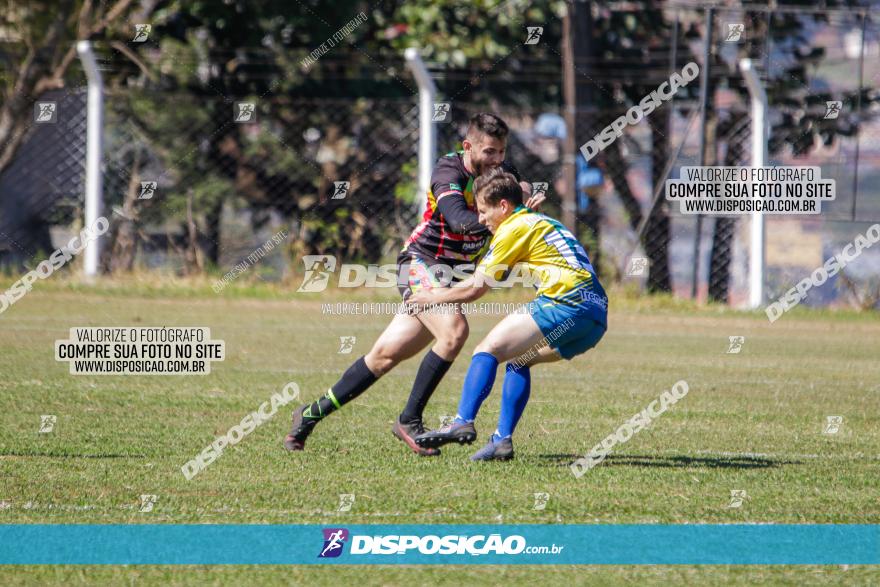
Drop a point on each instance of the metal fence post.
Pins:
(704, 108)
(94, 152)
(759, 159)
(427, 137)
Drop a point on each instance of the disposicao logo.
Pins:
(334, 540)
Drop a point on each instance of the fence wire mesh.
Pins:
(189, 188)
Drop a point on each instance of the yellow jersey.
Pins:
(552, 254)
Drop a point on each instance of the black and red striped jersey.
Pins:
(450, 231)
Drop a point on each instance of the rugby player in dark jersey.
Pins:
(449, 234)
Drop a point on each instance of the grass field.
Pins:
(752, 421)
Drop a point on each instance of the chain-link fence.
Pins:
(41, 191)
(193, 182)
(708, 257)
(338, 173)
(830, 62)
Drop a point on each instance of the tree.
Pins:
(46, 32)
(627, 57)
(790, 86)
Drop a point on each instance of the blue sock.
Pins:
(514, 397)
(477, 385)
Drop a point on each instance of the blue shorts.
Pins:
(571, 330)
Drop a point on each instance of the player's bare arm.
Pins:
(471, 289)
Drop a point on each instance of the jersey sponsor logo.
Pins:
(589, 297)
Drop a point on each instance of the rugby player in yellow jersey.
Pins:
(568, 317)
(448, 237)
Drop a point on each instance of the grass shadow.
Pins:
(677, 461)
(69, 455)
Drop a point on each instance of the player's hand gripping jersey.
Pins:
(553, 255)
(450, 232)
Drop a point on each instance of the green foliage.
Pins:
(454, 32)
(210, 190)
(795, 81)
(407, 190)
(274, 156)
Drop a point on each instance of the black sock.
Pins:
(353, 382)
(431, 371)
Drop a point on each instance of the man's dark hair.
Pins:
(486, 124)
(496, 185)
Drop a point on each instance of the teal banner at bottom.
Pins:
(358, 544)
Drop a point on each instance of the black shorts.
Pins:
(414, 274)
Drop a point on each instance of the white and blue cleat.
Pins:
(495, 450)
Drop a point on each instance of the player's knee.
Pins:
(488, 346)
(453, 338)
(381, 359)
